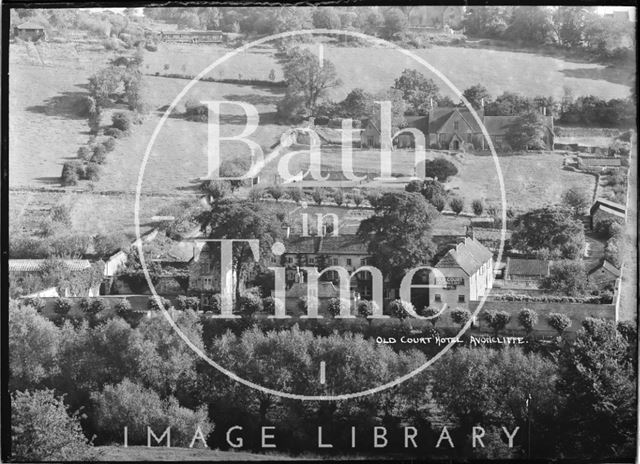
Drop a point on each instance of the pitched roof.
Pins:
(606, 265)
(600, 161)
(608, 205)
(439, 116)
(469, 255)
(498, 125)
(418, 122)
(527, 267)
(343, 244)
(34, 265)
(30, 25)
(325, 290)
(300, 245)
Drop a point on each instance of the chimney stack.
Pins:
(288, 231)
(482, 102)
(544, 110)
(431, 103)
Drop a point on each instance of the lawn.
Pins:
(375, 68)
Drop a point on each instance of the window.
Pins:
(290, 259)
(437, 297)
(334, 261)
(348, 261)
(456, 125)
(312, 260)
(364, 261)
(460, 298)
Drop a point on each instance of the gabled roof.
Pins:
(600, 161)
(438, 117)
(469, 256)
(418, 122)
(607, 205)
(498, 125)
(300, 245)
(527, 267)
(343, 244)
(30, 25)
(34, 265)
(607, 266)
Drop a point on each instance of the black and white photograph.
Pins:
(324, 231)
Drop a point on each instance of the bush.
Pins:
(62, 306)
(99, 154)
(92, 171)
(440, 169)
(35, 302)
(130, 405)
(457, 205)
(478, 207)
(109, 144)
(123, 307)
(337, 305)
(121, 121)
(188, 302)
(438, 202)
(151, 47)
(111, 43)
(114, 132)
(97, 306)
(338, 197)
(363, 308)
(608, 228)
(560, 322)
(497, 320)
(528, 318)
(430, 312)
(318, 195)
(85, 152)
(43, 430)
(357, 198)
(69, 174)
(460, 316)
(152, 304)
(401, 309)
(61, 214)
(275, 191)
(250, 303)
(302, 304)
(196, 111)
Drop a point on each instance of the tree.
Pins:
(236, 167)
(276, 191)
(531, 24)
(491, 387)
(432, 189)
(296, 194)
(560, 322)
(326, 18)
(307, 80)
(431, 313)
(358, 104)
(398, 108)
(497, 320)
(364, 309)
(69, 174)
(456, 204)
(566, 277)
(477, 95)
(527, 132)
(337, 305)
(399, 233)
(439, 203)
(357, 198)
(232, 219)
(34, 342)
(417, 90)
(528, 318)
(478, 207)
(509, 104)
(548, 228)
(318, 195)
(43, 430)
(600, 384)
(250, 303)
(576, 199)
(63, 306)
(121, 121)
(338, 197)
(395, 23)
(440, 169)
(99, 154)
(486, 21)
(569, 23)
(460, 316)
(415, 186)
(401, 309)
(123, 307)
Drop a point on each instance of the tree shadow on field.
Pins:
(71, 105)
(609, 74)
(255, 100)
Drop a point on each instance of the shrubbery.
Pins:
(62, 306)
(121, 121)
(123, 307)
(43, 430)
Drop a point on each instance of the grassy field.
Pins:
(375, 69)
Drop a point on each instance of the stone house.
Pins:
(468, 270)
(454, 129)
(30, 31)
